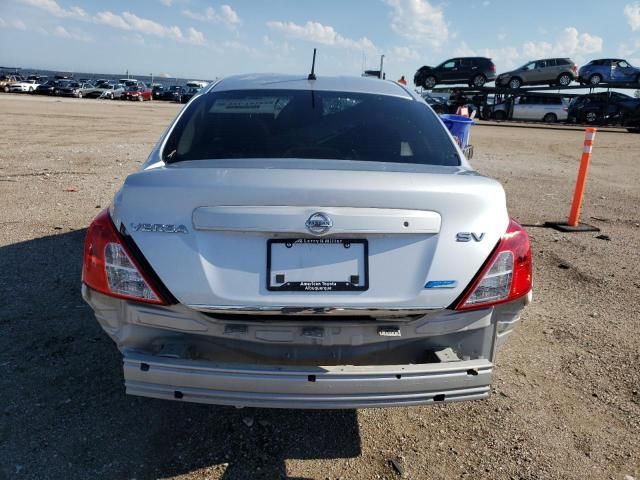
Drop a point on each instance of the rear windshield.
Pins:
(309, 125)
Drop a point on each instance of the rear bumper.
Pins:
(305, 387)
(320, 362)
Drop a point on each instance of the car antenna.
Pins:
(312, 75)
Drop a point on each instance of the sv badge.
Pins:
(469, 236)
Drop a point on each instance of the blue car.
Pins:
(608, 70)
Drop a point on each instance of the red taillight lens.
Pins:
(110, 268)
(493, 68)
(574, 67)
(506, 276)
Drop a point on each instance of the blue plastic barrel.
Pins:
(459, 126)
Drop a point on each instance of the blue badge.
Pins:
(441, 284)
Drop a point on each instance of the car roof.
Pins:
(300, 82)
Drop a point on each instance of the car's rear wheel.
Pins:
(550, 118)
(141, 98)
(500, 115)
(478, 81)
(6, 89)
(564, 80)
(515, 83)
(595, 79)
(79, 94)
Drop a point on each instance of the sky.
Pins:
(207, 39)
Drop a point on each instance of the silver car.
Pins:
(304, 243)
(545, 108)
(551, 71)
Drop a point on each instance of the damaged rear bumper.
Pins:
(329, 387)
(177, 353)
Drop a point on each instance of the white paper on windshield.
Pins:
(262, 105)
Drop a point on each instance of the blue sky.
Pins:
(208, 39)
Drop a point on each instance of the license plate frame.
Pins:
(319, 286)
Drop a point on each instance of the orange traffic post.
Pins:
(576, 204)
(572, 224)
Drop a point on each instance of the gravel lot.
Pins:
(565, 401)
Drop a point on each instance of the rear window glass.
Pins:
(309, 125)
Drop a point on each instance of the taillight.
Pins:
(110, 268)
(507, 274)
(492, 68)
(574, 67)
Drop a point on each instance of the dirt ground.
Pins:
(565, 402)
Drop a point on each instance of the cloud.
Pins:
(225, 15)
(52, 7)
(15, 23)
(131, 22)
(404, 53)
(166, 3)
(570, 42)
(324, 34)
(71, 35)
(419, 21)
(632, 12)
(195, 37)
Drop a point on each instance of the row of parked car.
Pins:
(603, 108)
(123, 89)
(477, 71)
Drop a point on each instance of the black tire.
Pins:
(499, 115)
(550, 118)
(478, 81)
(6, 89)
(564, 79)
(595, 79)
(633, 129)
(515, 83)
(429, 82)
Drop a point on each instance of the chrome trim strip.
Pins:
(301, 310)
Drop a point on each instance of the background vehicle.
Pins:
(608, 70)
(25, 86)
(474, 71)
(47, 88)
(111, 91)
(188, 94)
(268, 280)
(601, 108)
(172, 93)
(552, 71)
(139, 92)
(74, 89)
(439, 104)
(548, 109)
(157, 91)
(7, 80)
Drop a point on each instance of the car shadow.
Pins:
(64, 413)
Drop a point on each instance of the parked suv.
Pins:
(602, 108)
(552, 71)
(609, 70)
(474, 71)
(532, 107)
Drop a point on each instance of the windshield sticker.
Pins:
(263, 105)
